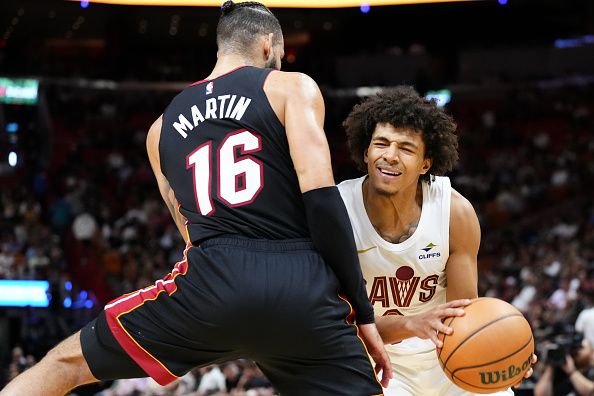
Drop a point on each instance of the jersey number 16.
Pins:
(239, 178)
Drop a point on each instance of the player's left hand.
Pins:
(528, 373)
(375, 348)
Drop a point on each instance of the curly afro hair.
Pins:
(402, 107)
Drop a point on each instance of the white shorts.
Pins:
(420, 375)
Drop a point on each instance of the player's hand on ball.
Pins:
(375, 347)
(428, 324)
(528, 373)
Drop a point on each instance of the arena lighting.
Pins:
(442, 97)
(18, 91)
(24, 293)
(276, 3)
(12, 159)
(12, 127)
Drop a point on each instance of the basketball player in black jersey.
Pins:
(243, 164)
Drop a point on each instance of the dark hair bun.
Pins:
(227, 7)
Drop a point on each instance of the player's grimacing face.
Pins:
(395, 158)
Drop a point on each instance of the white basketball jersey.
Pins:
(406, 278)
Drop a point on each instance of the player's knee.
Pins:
(68, 361)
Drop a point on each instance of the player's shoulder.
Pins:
(292, 77)
(291, 82)
(461, 209)
(460, 202)
(439, 182)
(349, 187)
(436, 189)
(155, 129)
(465, 228)
(443, 185)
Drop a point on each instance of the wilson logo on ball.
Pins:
(490, 348)
(494, 377)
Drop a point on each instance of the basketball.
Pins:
(490, 348)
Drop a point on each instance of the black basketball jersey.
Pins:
(226, 156)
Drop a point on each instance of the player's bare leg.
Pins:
(62, 369)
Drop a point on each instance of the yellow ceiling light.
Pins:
(275, 3)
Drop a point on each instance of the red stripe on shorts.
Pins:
(129, 302)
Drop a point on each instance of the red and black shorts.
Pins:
(275, 302)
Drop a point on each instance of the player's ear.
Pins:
(365, 159)
(268, 50)
(427, 163)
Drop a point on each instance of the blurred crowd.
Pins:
(236, 378)
(94, 225)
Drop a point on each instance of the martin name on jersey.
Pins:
(407, 278)
(213, 108)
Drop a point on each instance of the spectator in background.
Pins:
(232, 374)
(573, 376)
(585, 320)
(212, 381)
(253, 379)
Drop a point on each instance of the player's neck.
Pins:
(395, 217)
(228, 62)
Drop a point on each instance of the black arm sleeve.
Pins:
(332, 236)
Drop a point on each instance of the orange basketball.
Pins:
(490, 348)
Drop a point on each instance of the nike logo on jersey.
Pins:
(366, 250)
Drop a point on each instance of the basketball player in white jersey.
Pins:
(417, 237)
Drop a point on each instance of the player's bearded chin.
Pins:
(380, 190)
(272, 62)
(383, 192)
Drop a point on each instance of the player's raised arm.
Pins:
(465, 238)
(152, 148)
